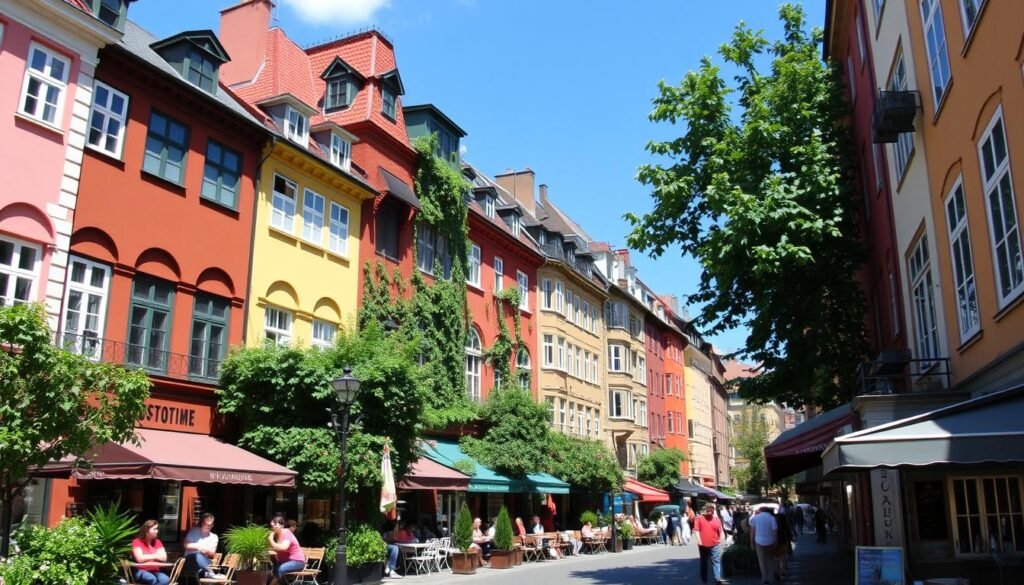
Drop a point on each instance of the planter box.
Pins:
(518, 556)
(463, 563)
(627, 544)
(366, 573)
(501, 559)
(617, 547)
(252, 577)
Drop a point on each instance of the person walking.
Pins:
(687, 522)
(727, 523)
(763, 536)
(819, 525)
(707, 530)
(783, 543)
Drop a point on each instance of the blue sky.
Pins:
(561, 86)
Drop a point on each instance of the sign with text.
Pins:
(886, 507)
(171, 415)
(879, 565)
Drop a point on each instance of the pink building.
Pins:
(48, 51)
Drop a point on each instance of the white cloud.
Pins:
(328, 12)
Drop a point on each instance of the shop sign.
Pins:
(879, 565)
(886, 506)
(169, 415)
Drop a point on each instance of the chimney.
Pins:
(520, 185)
(243, 32)
(543, 193)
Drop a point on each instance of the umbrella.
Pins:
(388, 494)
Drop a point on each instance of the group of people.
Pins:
(201, 544)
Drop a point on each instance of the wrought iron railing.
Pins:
(157, 362)
(898, 373)
(553, 250)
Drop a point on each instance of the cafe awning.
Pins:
(983, 430)
(688, 488)
(543, 483)
(427, 474)
(647, 493)
(447, 452)
(801, 447)
(173, 456)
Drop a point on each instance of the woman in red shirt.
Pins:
(147, 550)
(287, 550)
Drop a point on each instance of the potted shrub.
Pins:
(365, 554)
(501, 556)
(463, 562)
(115, 530)
(589, 516)
(251, 544)
(624, 532)
(739, 559)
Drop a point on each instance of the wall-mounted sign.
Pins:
(879, 565)
(886, 507)
(170, 415)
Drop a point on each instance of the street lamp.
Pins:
(346, 388)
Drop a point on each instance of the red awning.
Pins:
(800, 448)
(427, 474)
(173, 456)
(648, 494)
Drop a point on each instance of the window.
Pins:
(388, 223)
(619, 404)
(586, 316)
(46, 78)
(108, 11)
(19, 271)
(593, 319)
(577, 314)
(561, 353)
(221, 173)
(561, 413)
(474, 358)
(876, 156)
(1002, 214)
(85, 305)
(388, 100)
(514, 224)
(296, 126)
(640, 414)
(922, 293)
(893, 308)
(878, 5)
(548, 347)
(283, 214)
(641, 368)
(499, 274)
(150, 325)
(568, 304)
(987, 516)
(209, 336)
(851, 81)
(337, 240)
(489, 206)
(671, 427)
(523, 369)
(107, 119)
(969, 10)
(201, 71)
(547, 297)
(323, 333)
(277, 325)
(904, 146)
(425, 248)
(313, 217)
(963, 265)
(341, 152)
(571, 357)
(339, 94)
(616, 314)
(474, 265)
(938, 53)
(166, 146)
(558, 296)
(524, 290)
(617, 358)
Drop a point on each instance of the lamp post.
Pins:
(346, 388)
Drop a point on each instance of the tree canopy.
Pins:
(588, 466)
(749, 438)
(757, 189)
(517, 436)
(54, 403)
(661, 468)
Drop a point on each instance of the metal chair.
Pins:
(425, 559)
(227, 569)
(308, 575)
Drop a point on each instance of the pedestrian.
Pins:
(707, 530)
(687, 522)
(727, 523)
(663, 527)
(819, 525)
(674, 528)
(763, 536)
(783, 543)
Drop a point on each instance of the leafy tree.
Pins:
(660, 468)
(517, 438)
(282, 395)
(588, 466)
(750, 437)
(757, 189)
(55, 404)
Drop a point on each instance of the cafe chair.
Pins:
(227, 568)
(308, 575)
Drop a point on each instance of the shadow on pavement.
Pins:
(667, 571)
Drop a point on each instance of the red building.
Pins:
(676, 436)
(657, 380)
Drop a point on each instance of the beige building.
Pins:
(699, 423)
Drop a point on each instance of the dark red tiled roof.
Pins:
(81, 5)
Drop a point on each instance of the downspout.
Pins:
(252, 236)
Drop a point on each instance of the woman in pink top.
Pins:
(146, 550)
(286, 548)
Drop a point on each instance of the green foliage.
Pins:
(442, 191)
(250, 543)
(115, 530)
(503, 350)
(517, 438)
(761, 197)
(364, 545)
(463, 529)
(739, 559)
(467, 466)
(331, 550)
(54, 403)
(661, 468)
(281, 396)
(750, 437)
(503, 531)
(589, 516)
(587, 465)
(67, 554)
(625, 530)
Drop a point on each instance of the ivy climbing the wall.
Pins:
(501, 353)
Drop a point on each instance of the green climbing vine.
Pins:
(501, 353)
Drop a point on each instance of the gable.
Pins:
(339, 68)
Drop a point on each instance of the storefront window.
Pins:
(170, 507)
(929, 501)
(988, 516)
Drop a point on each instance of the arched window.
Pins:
(474, 358)
(523, 369)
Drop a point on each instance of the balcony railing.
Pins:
(896, 372)
(553, 250)
(154, 361)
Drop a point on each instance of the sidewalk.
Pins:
(812, 564)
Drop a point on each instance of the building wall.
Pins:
(654, 345)
(699, 414)
(630, 432)
(985, 66)
(675, 399)
(720, 423)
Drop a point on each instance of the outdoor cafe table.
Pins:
(411, 549)
(133, 564)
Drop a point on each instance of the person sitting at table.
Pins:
(481, 542)
(149, 552)
(426, 529)
(388, 534)
(200, 548)
(536, 528)
(286, 549)
(587, 531)
(574, 545)
(407, 534)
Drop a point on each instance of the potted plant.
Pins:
(589, 516)
(251, 544)
(366, 552)
(115, 530)
(624, 530)
(739, 559)
(501, 556)
(463, 562)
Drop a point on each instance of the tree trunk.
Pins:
(6, 509)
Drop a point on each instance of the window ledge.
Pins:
(327, 252)
(942, 102)
(167, 182)
(971, 340)
(1009, 304)
(104, 154)
(283, 232)
(394, 259)
(969, 36)
(475, 287)
(44, 125)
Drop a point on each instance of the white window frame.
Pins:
(104, 115)
(296, 126)
(523, 369)
(280, 332)
(570, 356)
(548, 351)
(473, 276)
(936, 47)
(489, 206)
(922, 294)
(523, 280)
(323, 333)
(640, 413)
(977, 6)
(568, 304)
(904, 147)
(14, 272)
(474, 365)
(46, 80)
(282, 215)
(586, 316)
(641, 364)
(425, 249)
(622, 411)
(618, 353)
(594, 316)
(499, 274)
(962, 259)
(337, 238)
(559, 296)
(81, 339)
(991, 182)
(547, 297)
(312, 219)
(341, 152)
(560, 347)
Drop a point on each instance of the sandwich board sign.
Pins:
(879, 565)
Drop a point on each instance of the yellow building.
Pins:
(700, 426)
(627, 377)
(305, 270)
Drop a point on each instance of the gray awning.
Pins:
(399, 189)
(988, 429)
(688, 488)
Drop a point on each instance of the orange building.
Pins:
(675, 401)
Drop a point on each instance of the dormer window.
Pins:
(389, 100)
(489, 206)
(296, 126)
(201, 71)
(110, 12)
(515, 224)
(197, 55)
(341, 152)
(390, 88)
(342, 83)
(339, 94)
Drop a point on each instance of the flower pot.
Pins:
(518, 556)
(252, 577)
(627, 544)
(617, 546)
(365, 573)
(501, 559)
(463, 563)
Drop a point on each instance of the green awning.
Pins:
(486, 480)
(542, 483)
